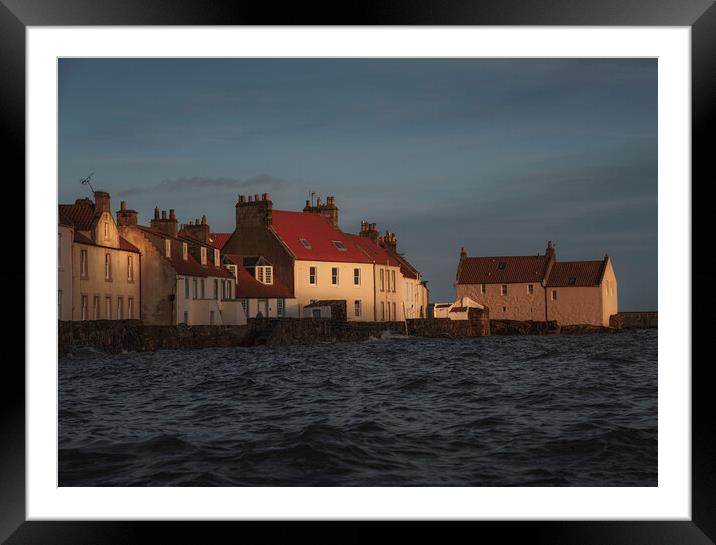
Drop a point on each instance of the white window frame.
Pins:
(503, 289)
(356, 276)
(268, 275)
(84, 302)
(167, 248)
(203, 256)
(95, 307)
(184, 251)
(108, 266)
(216, 258)
(281, 307)
(312, 276)
(357, 308)
(130, 308)
(553, 296)
(130, 268)
(334, 276)
(530, 289)
(83, 264)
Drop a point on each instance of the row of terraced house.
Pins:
(275, 263)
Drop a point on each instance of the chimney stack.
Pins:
(126, 217)
(168, 226)
(329, 210)
(463, 253)
(101, 201)
(254, 211)
(550, 250)
(369, 230)
(389, 241)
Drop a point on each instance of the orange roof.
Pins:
(320, 238)
(576, 273)
(376, 253)
(248, 287)
(502, 270)
(219, 239)
(80, 215)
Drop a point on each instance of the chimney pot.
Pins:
(123, 205)
(164, 214)
(250, 198)
(241, 198)
(171, 214)
(203, 219)
(256, 197)
(156, 212)
(264, 196)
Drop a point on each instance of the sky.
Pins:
(496, 155)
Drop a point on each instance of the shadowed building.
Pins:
(540, 288)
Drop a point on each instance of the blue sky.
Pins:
(498, 156)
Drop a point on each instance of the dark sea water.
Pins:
(492, 411)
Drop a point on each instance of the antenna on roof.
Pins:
(86, 181)
(313, 194)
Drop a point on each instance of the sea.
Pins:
(390, 411)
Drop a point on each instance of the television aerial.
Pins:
(86, 181)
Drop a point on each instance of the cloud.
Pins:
(262, 181)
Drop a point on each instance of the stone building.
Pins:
(98, 268)
(183, 280)
(540, 288)
(317, 261)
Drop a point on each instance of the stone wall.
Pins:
(638, 320)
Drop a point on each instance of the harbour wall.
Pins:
(638, 320)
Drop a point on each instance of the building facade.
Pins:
(103, 266)
(183, 280)
(260, 293)
(540, 288)
(316, 261)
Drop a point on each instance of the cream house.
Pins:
(183, 280)
(103, 265)
(540, 288)
(316, 261)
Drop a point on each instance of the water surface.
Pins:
(491, 411)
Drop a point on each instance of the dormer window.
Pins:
(106, 230)
(305, 243)
(339, 245)
(185, 251)
(203, 256)
(264, 274)
(167, 247)
(501, 266)
(216, 258)
(572, 280)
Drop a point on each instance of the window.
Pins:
(530, 288)
(554, 295)
(316, 313)
(572, 280)
(216, 288)
(334, 276)
(203, 289)
(186, 288)
(228, 289)
(245, 306)
(223, 289)
(203, 256)
(106, 230)
(108, 308)
(268, 275)
(130, 308)
(95, 307)
(504, 309)
(108, 266)
(504, 289)
(395, 313)
(167, 247)
(216, 258)
(338, 244)
(211, 317)
(120, 308)
(262, 308)
(280, 308)
(196, 289)
(382, 280)
(484, 288)
(389, 312)
(260, 274)
(392, 281)
(59, 304)
(382, 311)
(83, 263)
(83, 308)
(186, 317)
(130, 268)
(356, 277)
(184, 251)
(356, 308)
(501, 266)
(305, 243)
(59, 250)
(312, 276)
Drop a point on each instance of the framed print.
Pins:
(175, 146)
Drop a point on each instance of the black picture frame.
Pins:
(16, 15)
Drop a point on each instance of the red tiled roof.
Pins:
(219, 239)
(192, 238)
(489, 270)
(376, 253)
(124, 244)
(575, 273)
(293, 226)
(248, 287)
(80, 216)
